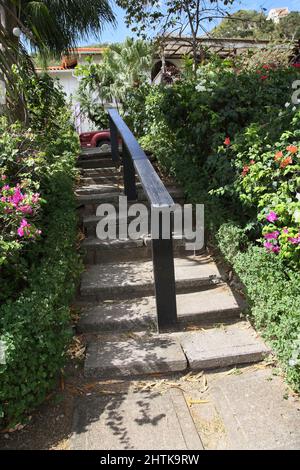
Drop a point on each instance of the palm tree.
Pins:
(50, 27)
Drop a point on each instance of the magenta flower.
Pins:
(35, 198)
(6, 188)
(17, 197)
(272, 235)
(285, 230)
(272, 217)
(26, 209)
(22, 229)
(295, 240)
(268, 245)
(276, 249)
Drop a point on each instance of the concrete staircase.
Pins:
(118, 304)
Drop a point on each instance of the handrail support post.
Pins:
(164, 279)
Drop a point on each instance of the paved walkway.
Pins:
(119, 324)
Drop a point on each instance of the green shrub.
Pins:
(273, 293)
(38, 274)
(219, 134)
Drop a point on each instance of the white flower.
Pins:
(200, 88)
(287, 105)
(297, 216)
(294, 108)
(292, 362)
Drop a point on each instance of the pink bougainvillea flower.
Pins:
(35, 198)
(6, 188)
(268, 245)
(278, 156)
(272, 235)
(26, 209)
(285, 230)
(245, 170)
(252, 162)
(276, 249)
(227, 141)
(295, 240)
(287, 161)
(21, 232)
(292, 149)
(17, 197)
(272, 217)
(24, 226)
(3, 177)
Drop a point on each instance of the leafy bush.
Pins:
(273, 293)
(231, 138)
(39, 264)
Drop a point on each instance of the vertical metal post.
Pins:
(129, 176)
(164, 279)
(114, 142)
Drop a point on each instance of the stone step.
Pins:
(104, 188)
(108, 187)
(93, 153)
(90, 163)
(124, 280)
(95, 180)
(149, 354)
(223, 347)
(203, 308)
(113, 197)
(96, 251)
(128, 357)
(101, 172)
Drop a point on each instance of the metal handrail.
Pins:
(135, 161)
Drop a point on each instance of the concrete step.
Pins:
(95, 180)
(113, 197)
(90, 163)
(222, 347)
(203, 308)
(101, 172)
(97, 251)
(132, 279)
(175, 352)
(127, 357)
(109, 187)
(104, 188)
(93, 153)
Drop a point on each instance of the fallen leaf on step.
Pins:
(234, 371)
(192, 402)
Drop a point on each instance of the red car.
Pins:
(100, 139)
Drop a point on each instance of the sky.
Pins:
(120, 32)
